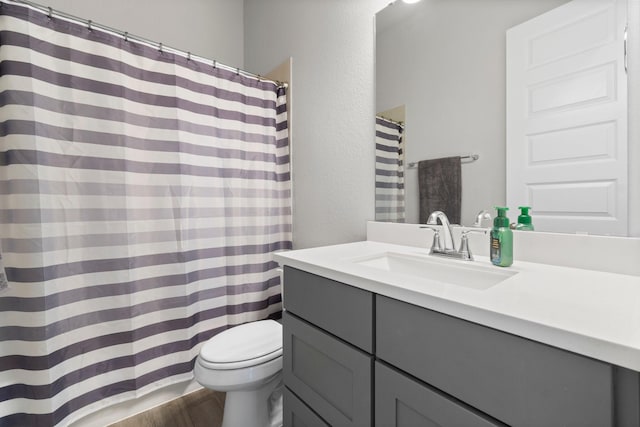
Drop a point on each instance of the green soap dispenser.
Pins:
(524, 219)
(501, 243)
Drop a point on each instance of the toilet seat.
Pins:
(242, 346)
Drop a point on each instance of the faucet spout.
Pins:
(482, 217)
(447, 243)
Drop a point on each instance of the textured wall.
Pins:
(209, 28)
(332, 45)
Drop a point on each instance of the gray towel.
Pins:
(440, 184)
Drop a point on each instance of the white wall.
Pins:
(208, 28)
(332, 45)
(446, 64)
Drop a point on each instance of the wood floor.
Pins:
(202, 408)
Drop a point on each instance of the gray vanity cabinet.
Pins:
(353, 358)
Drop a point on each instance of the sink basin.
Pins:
(453, 272)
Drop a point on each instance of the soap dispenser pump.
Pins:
(524, 219)
(501, 240)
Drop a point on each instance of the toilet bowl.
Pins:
(246, 363)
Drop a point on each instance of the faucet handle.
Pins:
(466, 231)
(436, 245)
(465, 250)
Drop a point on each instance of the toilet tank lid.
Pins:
(244, 342)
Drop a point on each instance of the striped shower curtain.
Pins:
(390, 205)
(142, 195)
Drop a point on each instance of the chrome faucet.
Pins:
(481, 217)
(446, 241)
(445, 246)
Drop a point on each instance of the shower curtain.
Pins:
(389, 171)
(142, 195)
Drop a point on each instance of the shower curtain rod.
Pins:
(127, 36)
(470, 158)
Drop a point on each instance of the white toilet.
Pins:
(245, 362)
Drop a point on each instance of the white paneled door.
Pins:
(567, 118)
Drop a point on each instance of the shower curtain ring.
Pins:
(160, 47)
(50, 14)
(89, 22)
(237, 71)
(188, 56)
(215, 64)
(126, 36)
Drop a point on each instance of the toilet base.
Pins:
(252, 407)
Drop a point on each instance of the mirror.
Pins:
(443, 62)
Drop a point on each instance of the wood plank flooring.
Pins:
(202, 408)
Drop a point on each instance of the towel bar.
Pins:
(463, 159)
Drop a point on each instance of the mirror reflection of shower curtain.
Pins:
(142, 196)
(390, 206)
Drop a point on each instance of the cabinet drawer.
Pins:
(343, 310)
(403, 402)
(515, 380)
(330, 376)
(297, 414)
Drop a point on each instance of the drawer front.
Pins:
(331, 377)
(515, 380)
(297, 414)
(403, 402)
(340, 309)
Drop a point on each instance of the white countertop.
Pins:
(593, 313)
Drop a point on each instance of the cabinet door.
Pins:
(520, 382)
(627, 397)
(331, 377)
(403, 402)
(297, 414)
